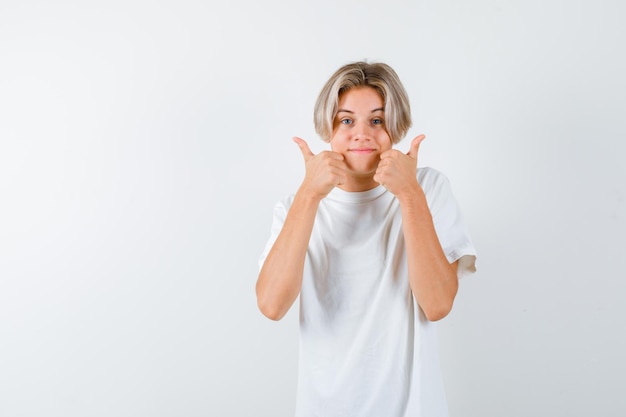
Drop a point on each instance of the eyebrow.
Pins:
(351, 112)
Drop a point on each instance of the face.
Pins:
(359, 132)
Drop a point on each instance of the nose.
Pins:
(362, 131)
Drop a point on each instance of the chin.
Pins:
(362, 164)
(363, 171)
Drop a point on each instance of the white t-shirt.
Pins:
(365, 348)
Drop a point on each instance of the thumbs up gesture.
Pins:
(397, 171)
(324, 171)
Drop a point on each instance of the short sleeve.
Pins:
(449, 224)
(278, 219)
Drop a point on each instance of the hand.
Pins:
(397, 171)
(324, 171)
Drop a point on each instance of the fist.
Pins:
(324, 171)
(397, 171)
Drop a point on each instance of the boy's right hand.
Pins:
(324, 171)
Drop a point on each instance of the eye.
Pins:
(377, 121)
(346, 121)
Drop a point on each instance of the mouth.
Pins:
(362, 151)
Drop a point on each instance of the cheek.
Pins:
(337, 143)
(386, 144)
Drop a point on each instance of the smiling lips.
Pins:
(362, 151)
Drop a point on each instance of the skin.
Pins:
(361, 158)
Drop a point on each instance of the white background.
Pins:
(144, 144)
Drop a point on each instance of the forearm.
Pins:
(432, 278)
(280, 279)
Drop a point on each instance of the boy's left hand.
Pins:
(397, 171)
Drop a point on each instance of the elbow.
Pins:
(270, 311)
(437, 310)
(439, 307)
(437, 313)
(269, 307)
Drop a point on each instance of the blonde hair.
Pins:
(379, 76)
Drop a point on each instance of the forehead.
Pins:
(360, 97)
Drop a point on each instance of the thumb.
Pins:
(304, 148)
(415, 145)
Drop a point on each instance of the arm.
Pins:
(280, 279)
(432, 278)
